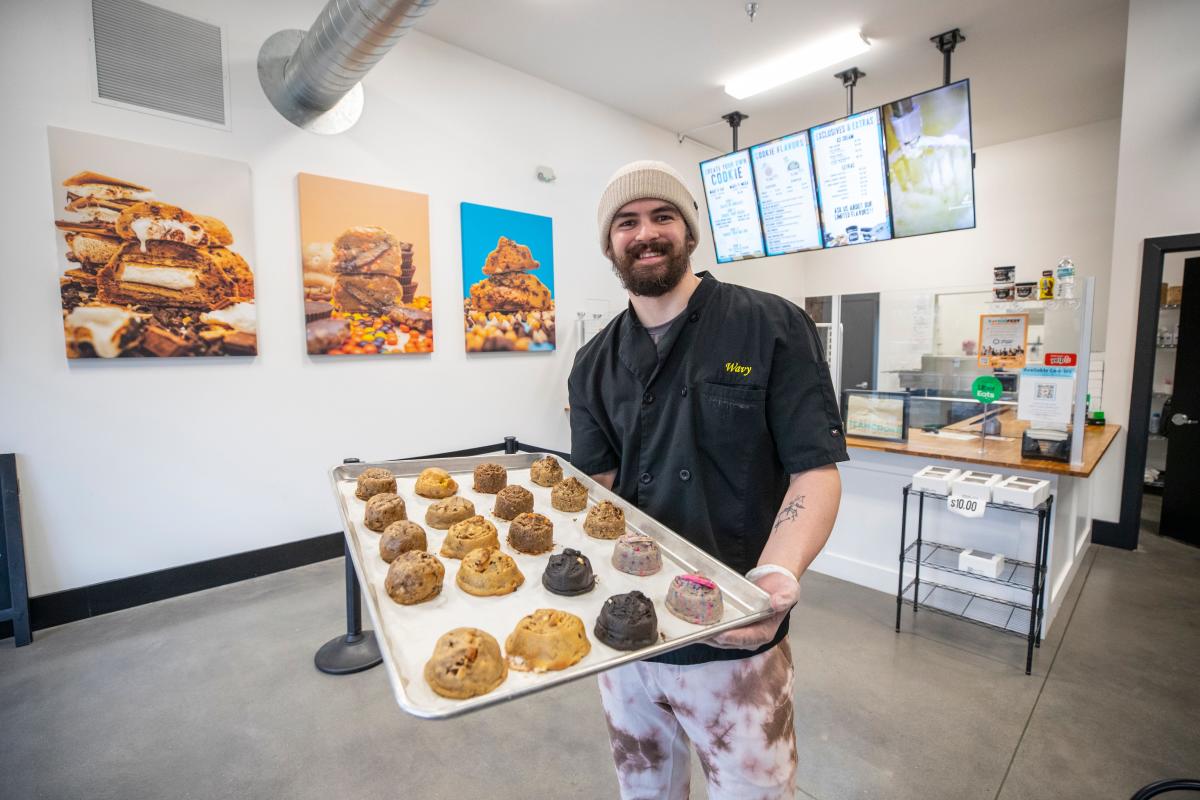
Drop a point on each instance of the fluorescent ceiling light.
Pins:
(808, 59)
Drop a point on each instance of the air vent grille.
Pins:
(157, 59)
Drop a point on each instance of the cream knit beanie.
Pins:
(647, 179)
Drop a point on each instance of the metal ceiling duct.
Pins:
(313, 77)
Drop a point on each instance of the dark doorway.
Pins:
(1124, 533)
(860, 340)
(1180, 418)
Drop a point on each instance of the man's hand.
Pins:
(785, 592)
(801, 528)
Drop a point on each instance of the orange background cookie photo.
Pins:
(365, 267)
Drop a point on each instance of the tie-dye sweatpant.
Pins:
(737, 714)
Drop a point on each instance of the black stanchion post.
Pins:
(357, 650)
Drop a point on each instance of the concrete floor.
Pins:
(213, 695)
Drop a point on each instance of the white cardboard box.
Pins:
(977, 562)
(935, 479)
(1018, 490)
(973, 483)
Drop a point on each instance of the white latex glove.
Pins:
(785, 592)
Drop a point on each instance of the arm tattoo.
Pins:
(789, 513)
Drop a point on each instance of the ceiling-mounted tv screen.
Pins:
(733, 207)
(852, 196)
(930, 173)
(787, 194)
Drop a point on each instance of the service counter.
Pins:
(864, 546)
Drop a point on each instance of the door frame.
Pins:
(1124, 532)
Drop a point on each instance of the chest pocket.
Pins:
(731, 422)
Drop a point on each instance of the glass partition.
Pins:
(925, 342)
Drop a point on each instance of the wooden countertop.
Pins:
(1005, 454)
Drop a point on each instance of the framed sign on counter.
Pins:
(14, 591)
(875, 415)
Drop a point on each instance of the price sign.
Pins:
(987, 389)
(966, 506)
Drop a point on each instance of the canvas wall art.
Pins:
(154, 249)
(508, 279)
(366, 268)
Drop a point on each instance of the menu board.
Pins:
(928, 140)
(733, 207)
(851, 189)
(786, 194)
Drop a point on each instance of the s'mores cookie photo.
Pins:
(148, 261)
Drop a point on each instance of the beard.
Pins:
(647, 281)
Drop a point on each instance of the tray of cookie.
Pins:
(490, 577)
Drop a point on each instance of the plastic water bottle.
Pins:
(1064, 280)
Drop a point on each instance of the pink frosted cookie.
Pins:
(637, 554)
(695, 599)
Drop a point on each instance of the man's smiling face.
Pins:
(649, 245)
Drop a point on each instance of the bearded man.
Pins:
(708, 406)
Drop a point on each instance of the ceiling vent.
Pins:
(151, 59)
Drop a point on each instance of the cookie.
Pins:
(383, 509)
(373, 481)
(444, 513)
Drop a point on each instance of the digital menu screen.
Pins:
(787, 196)
(930, 174)
(851, 187)
(733, 207)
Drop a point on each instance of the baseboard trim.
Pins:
(58, 608)
(857, 571)
(1110, 534)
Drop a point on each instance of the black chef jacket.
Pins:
(705, 429)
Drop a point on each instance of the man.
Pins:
(709, 406)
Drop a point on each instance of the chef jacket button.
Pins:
(646, 477)
(684, 392)
(695, 315)
(684, 475)
(648, 398)
(835, 432)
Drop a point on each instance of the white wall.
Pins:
(1157, 186)
(1037, 199)
(131, 467)
(140, 465)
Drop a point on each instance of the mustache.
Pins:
(636, 249)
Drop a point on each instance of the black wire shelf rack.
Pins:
(1006, 616)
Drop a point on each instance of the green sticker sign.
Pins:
(986, 388)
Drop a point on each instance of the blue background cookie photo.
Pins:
(482, 227)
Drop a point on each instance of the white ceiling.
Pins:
(1035, 66)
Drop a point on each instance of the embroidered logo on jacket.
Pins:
(738, 369)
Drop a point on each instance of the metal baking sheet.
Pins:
(407, 634)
